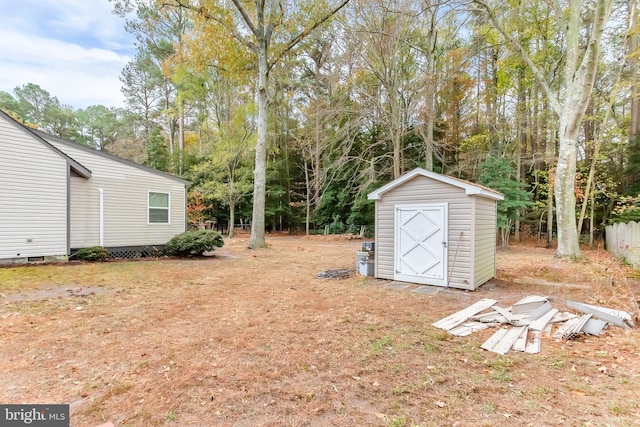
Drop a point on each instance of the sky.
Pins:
(74, 49)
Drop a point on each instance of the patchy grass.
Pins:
(254, 338)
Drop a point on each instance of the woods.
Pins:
(283, 115)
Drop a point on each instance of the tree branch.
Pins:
(553, 100)
(273, 11)
(304, 33)
(208, 16)
(246, 18)
(588, 66)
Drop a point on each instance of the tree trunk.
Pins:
(521, 139)
(430, 96)
(308, 190)
(396, 134)
(260, 170)
(396, 156)
(535, 131)
(170, 122)
(633, 71)
(579, 78)
(181, 138)
(591, 219)
(579, 75)
(232, 218)
(564, 186)
(598, 141)
(549, 212)
(430, 111)
(317, 152)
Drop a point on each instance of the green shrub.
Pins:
(627, 209)
(192, 243)
(94, 253)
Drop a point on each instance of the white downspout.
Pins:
(101, 217)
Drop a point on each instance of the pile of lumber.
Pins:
(522, 324)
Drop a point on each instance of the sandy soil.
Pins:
(254, 338)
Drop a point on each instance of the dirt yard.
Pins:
(254, 338)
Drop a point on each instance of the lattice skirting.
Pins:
(132, 251)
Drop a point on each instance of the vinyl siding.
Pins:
(485, 240)
(420, 190)
(33, 196)
(125, 211)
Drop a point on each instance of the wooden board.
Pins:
(539, 324)
(533, 343)
(617, 317)
(468, 328)
(528, 304)
(618, 313)
(461, 316)
(594, 326)
(563, 316)
(493, 317)
(541, 311)
(494, 339)
(521, 342)
(508, 340)
(504, 312)
(514, 319)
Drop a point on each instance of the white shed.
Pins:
(434, 229)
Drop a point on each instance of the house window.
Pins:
(158, 208)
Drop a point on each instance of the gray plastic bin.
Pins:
(361, 257)
(366, 268)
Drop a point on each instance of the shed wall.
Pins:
(485, 240)
(425, 190)
(125, 200)
(33, 196)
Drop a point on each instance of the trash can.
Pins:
(366, 268)
(361, 256)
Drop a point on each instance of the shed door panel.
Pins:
(421, 243)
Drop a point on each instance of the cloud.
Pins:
(92, 21)
(74, 49)
(76, 75)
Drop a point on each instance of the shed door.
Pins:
(421, 243)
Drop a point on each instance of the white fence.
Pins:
(624, 240)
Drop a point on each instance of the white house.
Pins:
(57, 196)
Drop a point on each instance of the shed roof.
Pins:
(470, 188)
